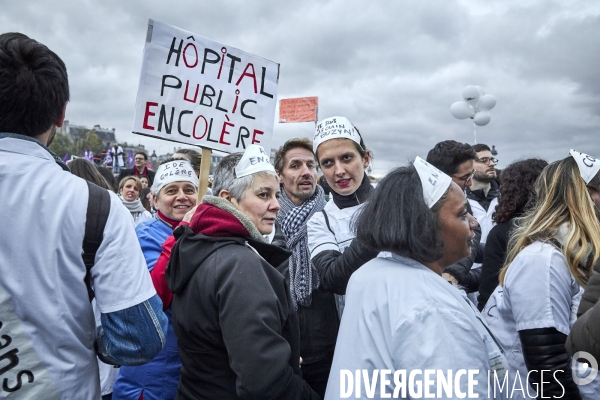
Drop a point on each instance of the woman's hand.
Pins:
(449, 278)
(188, 216)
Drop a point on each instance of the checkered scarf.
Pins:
(293, 219)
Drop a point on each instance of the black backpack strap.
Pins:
(95, 222)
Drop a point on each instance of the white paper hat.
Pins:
(588, 165)
(174, 171)
(434, 182)
(254, 160)
(334, 128)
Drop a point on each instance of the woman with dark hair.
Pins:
(88, 171)
(145, 198)
(516, 193)
(110, 178)
(343, 158)
(400, 313)
(549, 259)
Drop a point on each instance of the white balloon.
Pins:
(481, 91)
(486, 102)
(471, 95)
(482, 118)
(461, 110)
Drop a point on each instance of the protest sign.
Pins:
(197, 91)
(301, 109)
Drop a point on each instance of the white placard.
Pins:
(197, 91)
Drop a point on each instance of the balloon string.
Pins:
(474, 132)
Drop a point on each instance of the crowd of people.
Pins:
(133, 288)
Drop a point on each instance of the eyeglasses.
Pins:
(486, 160)
(139, 159)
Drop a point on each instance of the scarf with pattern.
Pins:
(293, 219)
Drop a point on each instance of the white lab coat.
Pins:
(539, 292)
(400, 315)
(44, 304)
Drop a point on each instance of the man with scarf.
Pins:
(301, 197)
(140, 168)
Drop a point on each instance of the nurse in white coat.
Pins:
(549, 259)
(343, 158)
(402, 319)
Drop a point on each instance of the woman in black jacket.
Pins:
(235, 322)
(516, 192)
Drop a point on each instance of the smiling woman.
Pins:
(174, 194)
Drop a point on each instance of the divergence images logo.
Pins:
(582, 363)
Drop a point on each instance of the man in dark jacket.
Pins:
(234, 318)
(456, 160)
(484, 189)
(140, 168)
(300, 198)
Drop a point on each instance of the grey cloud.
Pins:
(393, 68)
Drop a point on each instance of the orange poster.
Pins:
(301, 109)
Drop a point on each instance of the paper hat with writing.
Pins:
(334, 128)
(434, 182)
(254, 160)
(588, 165)
(174, 171)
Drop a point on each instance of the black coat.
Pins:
(493, 260)
(585, 334)
(235, 323)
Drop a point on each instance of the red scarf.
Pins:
(171, 222)
(212, 221)
(137, 173)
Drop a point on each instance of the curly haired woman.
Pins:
(516, 193)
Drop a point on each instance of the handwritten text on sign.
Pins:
(302, 109)
(197, 91)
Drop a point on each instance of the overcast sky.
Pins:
(392, 67)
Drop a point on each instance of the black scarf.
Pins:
(356, 198)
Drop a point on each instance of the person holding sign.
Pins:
(343, 158)
(175, 189)
(233, 314)
(400, 314)
(550, 257)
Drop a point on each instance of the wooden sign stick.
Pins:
(204, 170)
